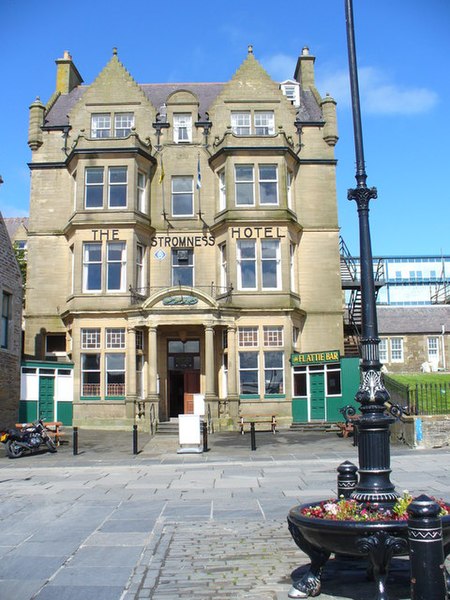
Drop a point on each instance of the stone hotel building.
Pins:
(183, 239)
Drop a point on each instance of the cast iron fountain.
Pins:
(378, 541)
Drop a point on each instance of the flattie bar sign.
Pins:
(315, 358)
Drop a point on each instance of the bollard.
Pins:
(135, 439)
(426, 550)
(75, 441)
(346, 479)
(252, 436)
(205, 436)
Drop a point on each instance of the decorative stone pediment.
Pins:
(180, 298)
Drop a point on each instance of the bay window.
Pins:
(92, 267)
(141, 184)
(95, 187)
(117, 187)
(90, 375)
(268, 184)
(244, 179)
(258, 261)
(273, 372)
(246, 262)
(93, 196)
(248, 372)
(270, 264)
(115, 374)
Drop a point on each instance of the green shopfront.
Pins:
(46, 392)
(323, 382)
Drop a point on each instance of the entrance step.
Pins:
(315, 426)
(168, 427)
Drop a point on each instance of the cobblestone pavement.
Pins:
(107, 525)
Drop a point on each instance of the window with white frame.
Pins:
(223, 265)
(140, 273)
(115, 337)
(244, 179)
(182, 196)
(383, 350)
(246, 262)
(94, 183)
(248, 337)
(269, 271)
(94, 187)
(295, 335)
(289, 180)
(116, 266)
(273, 335)
(264, 122)
(270, 264)
(123, 122)
(222, 190)
(241, 122)
(248, 373)
(117, 179)
(115, 374)
(292, 265)
(183, 266)
(141, 184)
(273, 373)
(433, 349)
(92, 267)
(90, 338)
(396, 349)
(268, 184)
(182, 127)
(101, 125)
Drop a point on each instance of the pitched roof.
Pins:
(13, 224)
(158, 94)
(413, 319)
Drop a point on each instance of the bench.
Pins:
(258, 419)
(53, 429)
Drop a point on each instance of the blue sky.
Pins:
(403, 50)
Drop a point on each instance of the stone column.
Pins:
(152, 362)
(130, 379)
(209, 362)
(233, 395)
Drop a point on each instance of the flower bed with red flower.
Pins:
(351, 510)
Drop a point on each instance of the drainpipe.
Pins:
(443, 347)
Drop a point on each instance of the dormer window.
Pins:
(263, 122)
(182, 127)
(291, 89)
(101, 125)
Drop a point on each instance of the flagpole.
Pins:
(161, 181)
(199, 186)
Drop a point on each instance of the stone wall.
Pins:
(11, 284)
(422, 432)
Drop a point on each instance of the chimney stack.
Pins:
(304, 71)
(67, 76)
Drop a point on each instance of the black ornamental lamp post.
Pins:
(373, 427)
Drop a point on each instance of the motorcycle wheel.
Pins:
(13, 450)
(50, 445)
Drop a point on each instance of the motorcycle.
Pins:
(18, 441)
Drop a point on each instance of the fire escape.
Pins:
(351, 287)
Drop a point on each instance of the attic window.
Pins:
(101, 125)
(182, 127)
(291, 90)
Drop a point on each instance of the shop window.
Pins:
(115, 374)
(333, 380)
(182, 196)
(273, 373)
(90, 375)
(300, 382)
(248, 372)
(183, 267)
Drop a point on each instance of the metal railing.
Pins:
(420, 398)
(441, 294)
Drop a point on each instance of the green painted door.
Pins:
(46, 398)
(317, 396)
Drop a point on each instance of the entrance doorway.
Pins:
(46, 398)
(183, 366)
